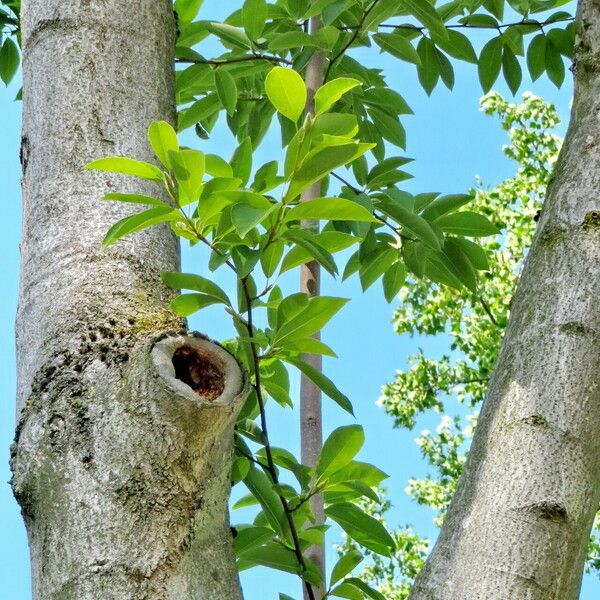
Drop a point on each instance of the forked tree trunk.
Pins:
(519, 523)
(120, 467)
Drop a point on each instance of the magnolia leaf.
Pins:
(287, 92)
(328, 94)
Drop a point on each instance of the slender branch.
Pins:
(263, 422)
(499, 27)
(217, 62)
(351, 41)
(488, 311)
(346, 183)
(383, 220)
(252, 459)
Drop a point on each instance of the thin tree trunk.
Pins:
(311, 419)
(120, 467)
(519, 523)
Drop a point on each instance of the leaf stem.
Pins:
(263, 423)
(357, 30)
(217, 62)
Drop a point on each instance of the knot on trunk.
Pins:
(199, 368)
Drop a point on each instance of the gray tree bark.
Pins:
(519, 523)
(311, 411)
(123, 448)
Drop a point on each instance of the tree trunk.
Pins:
(311, 411)
(120, 467)
(519, 523)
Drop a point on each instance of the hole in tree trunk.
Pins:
(199, 371)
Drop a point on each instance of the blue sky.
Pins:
(452, 142)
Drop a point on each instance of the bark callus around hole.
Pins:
(199, 371)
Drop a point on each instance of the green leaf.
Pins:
(384, 167)
(188, 304)
(555, 65)
(428, 15)
(196, 283)
(359, 471)
(287, 92)
(271, 257)
(459, 46)
(347, 590)
(414, 223)
(187, 9)
(460, 264)
(163, 139)
(397, 45)
(428, 69)
(254, 15)
(137, 222)
(367, 590)
(467, 223)
(563, 40)
(226, 90)
(339, 449)
(240, 468)
(323, 383)
(262, 489)
(445, 204)
(328, 94)
(331, 209)
(245, 501)
(230, 35)
(241, 161)
(127, 166)
(310, 346)
(317, 313)
(250, 537)
(389, 127)
(388, 100)
(474, 252)
(198, 111)
(393, 280)
(536, 56)
(275, 556)
(346, 564)
(414, 256)
(217, 167)
(490, 63)
(322, 163)
(331, 241)
(9, 60)
(375, 264)
(246, 217)
(188, 166)
(309, 243)
(512, 70)
(438, 268)
(362, 528)
(291, 39)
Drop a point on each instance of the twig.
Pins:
(352, 39)
(217, 62)
(263, 422)
(499, 27)
(488, 311)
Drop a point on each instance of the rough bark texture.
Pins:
(120, 467)
(519, 523)
(311, 417)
